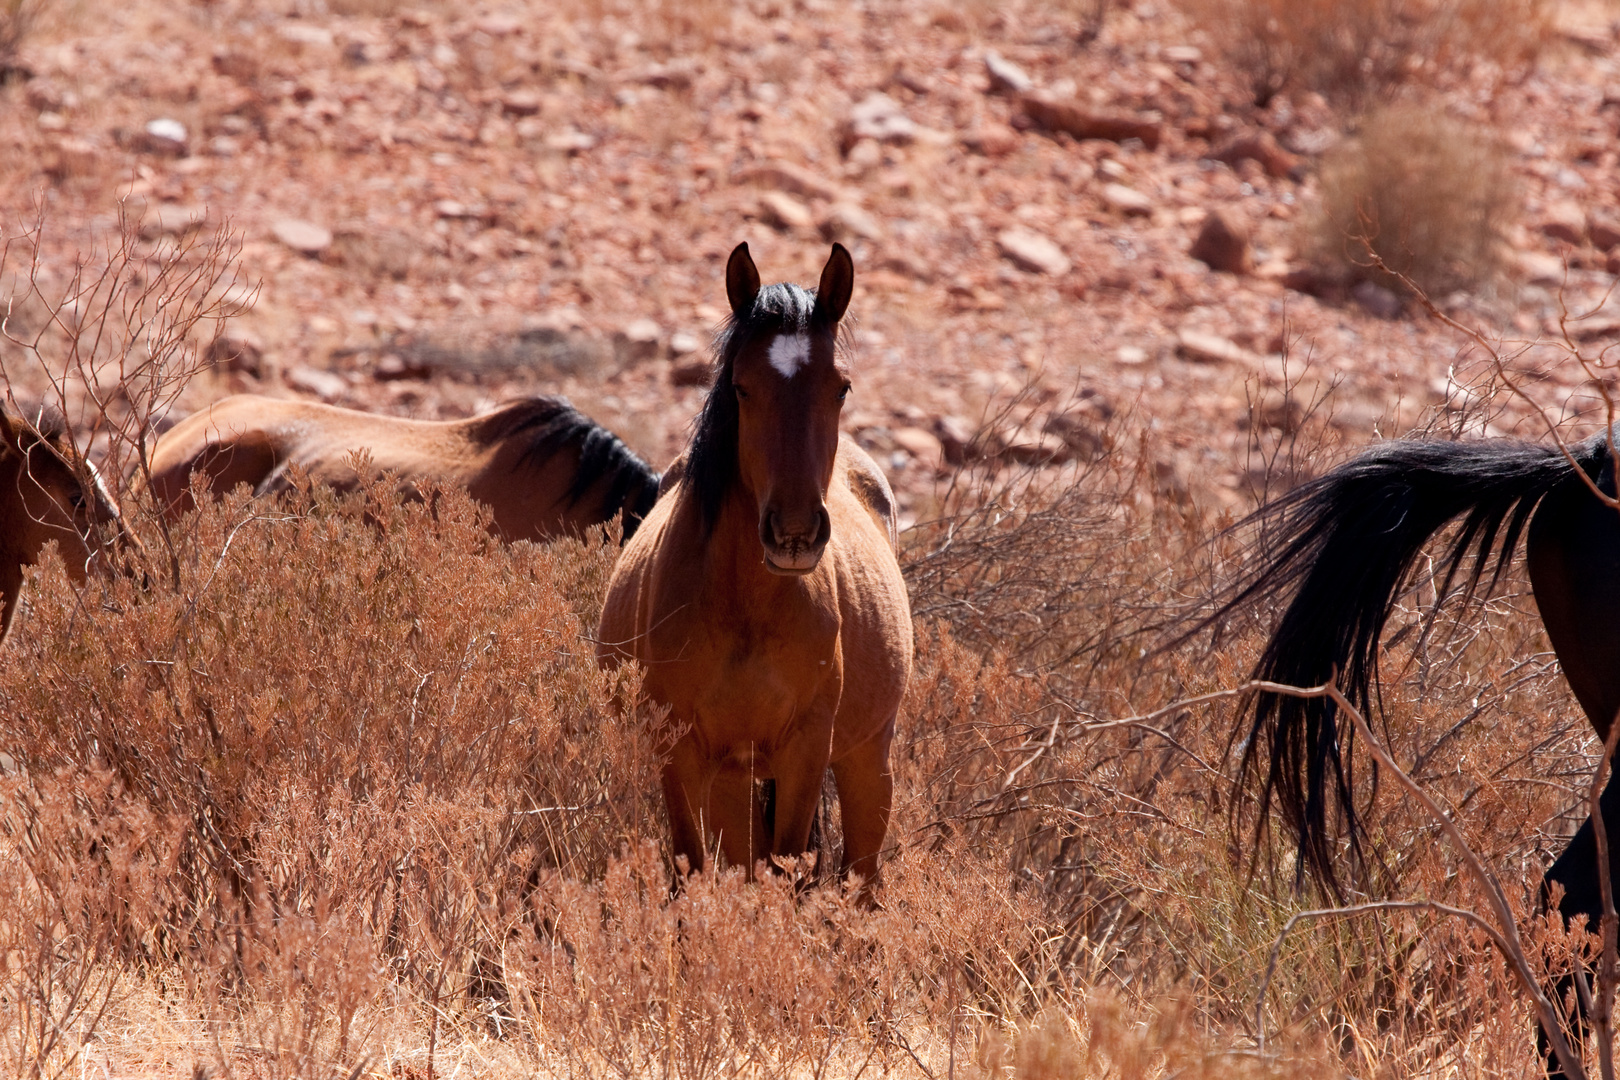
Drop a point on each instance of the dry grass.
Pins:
(339, 789)
(1359, 51)
(1428, 194)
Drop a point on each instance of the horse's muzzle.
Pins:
(794, 552)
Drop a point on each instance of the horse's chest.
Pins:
(751, 680)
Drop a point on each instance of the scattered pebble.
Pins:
(304, 237)
(1033, 252)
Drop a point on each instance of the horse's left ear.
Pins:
(837, 283)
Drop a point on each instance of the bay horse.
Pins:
(543, 468)
(763, 596)
(1345, 545)
(48, 491)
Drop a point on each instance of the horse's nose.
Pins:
(796, 531)
(793, 542)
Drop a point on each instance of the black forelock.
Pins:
(711, 461)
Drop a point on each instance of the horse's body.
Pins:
(763, 596)
(543, 468)
(49, 492)
(1346, 542)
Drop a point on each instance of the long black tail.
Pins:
(1344, 545)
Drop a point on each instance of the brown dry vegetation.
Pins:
(1428, 194)
(337, 789)
(1361, 52)
(350, 796)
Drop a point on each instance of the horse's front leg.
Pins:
(798, 767)
(737, 819)
(685, 781)
(865, 794)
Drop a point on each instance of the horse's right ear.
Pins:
(742, 280)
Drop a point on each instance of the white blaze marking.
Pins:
(789, 352)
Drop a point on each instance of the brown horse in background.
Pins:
(543, 468)
(763, 595)
(48, 491)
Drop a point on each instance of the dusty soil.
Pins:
(511, 199)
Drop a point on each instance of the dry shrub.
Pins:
(18, 20)
(665, 26)
(1355, 51)
(1428, 194)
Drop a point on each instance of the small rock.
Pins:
(637, 342)
(238, 299)
(682, 342)
(165, 136)
(1312, 280)
(784, 211)
(1006, 76)
(1223, 242)
(880, 118)
(1206, 348)
(236, 64)
(323, 384)
(1275, 407)
(991, 140)
(1183, 54)
(1588, 330)
(1033, 252)
(1540, 268)
(172, 219)
(301, 33)
(1027, 446)
(1131, 355)
(236, 350)
(391, 367)
(1057, 114)
(72, 157)
(957, 438)
(304, 237)
(1127, 200)
(1376, 300)
(1260, 146)
(1078, 434)
(865, 154)
(1565, 221)
(922, 445)
(691, 373)
(570, 141)
(1604, 232)
(45, 96)
(845, 219)
(453, 210)
(793, 179)
(520, 103)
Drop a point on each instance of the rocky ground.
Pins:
(447, 205)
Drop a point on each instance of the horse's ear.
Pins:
(742, 280)
(837, 283)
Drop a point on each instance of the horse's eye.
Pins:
(76, 499)
(742, 395)
(843, 392)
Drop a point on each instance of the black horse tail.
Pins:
(1344, 545)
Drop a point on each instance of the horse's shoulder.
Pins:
(868, 484)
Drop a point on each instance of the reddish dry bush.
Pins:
(1427, 194)
(1358, 51)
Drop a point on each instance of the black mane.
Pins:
(711, 460)
(551, 424)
